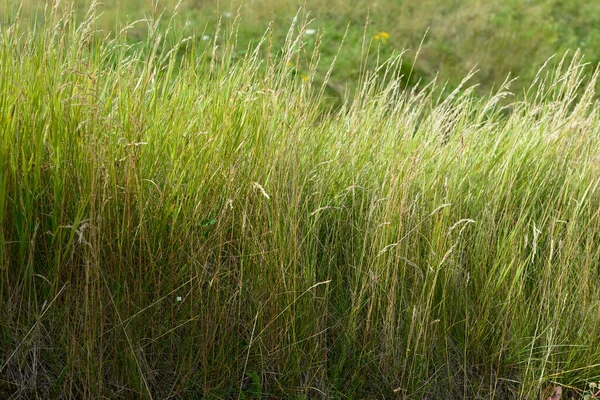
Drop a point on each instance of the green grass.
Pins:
(454, 36)
(188, 223)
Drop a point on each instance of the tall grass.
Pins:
(198, 227)
(500, 37)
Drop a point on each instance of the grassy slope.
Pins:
(497, 37)
(409, 245)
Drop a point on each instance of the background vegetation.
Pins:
(496, 37)
(183, 219)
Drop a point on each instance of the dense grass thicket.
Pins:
(201, 227)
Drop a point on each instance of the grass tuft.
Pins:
(196, 224)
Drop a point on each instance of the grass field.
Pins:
(497, 38)
(181, 219)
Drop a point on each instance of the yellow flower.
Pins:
(382, 37)
(305, 78)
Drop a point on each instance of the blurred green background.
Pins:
(496, 37)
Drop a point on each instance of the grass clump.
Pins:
(198, 227)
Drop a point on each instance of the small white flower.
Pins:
(227, 14)
(295, 19)
(205, 37)
(178, 298)
(310, 31)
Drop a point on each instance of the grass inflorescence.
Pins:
(196, 225)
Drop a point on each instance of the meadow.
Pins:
(451, 37)
(196, 219)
